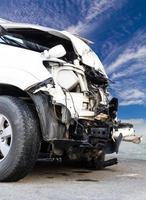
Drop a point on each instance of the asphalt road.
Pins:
(49, 181)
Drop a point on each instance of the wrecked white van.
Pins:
(53, 100)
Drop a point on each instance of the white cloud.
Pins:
(126, 66)
(97, 7)
(134, 50)
(137, 122)
(134, 70)
(131, 102)
(133, 93)
(76, 16)
(126, 56)
(132, 96)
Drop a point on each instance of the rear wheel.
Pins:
(19, 138)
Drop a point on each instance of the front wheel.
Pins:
(19, 138)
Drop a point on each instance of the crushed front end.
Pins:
(77, 118)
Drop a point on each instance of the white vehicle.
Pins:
(53, 100)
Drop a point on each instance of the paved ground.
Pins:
(48, 181)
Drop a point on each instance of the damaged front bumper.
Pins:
(75, 115)
(81, 135)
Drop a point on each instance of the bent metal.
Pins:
(54, 100)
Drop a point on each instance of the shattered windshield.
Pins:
(19, 41)
(36, 40)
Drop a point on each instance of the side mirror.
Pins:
(55, 52)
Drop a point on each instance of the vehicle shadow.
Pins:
(45, 170)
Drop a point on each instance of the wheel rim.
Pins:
(5, 136)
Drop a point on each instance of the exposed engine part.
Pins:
(67, 79)
(113, 108)
(95, 77)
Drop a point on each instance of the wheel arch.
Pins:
(11, 90)
(40, 103)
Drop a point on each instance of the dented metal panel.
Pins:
(68, 86)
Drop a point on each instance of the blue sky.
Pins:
(118, 29)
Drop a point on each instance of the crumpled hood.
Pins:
(87, 55)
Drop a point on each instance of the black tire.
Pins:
(25, 144)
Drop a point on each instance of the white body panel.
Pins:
(24, 68)
(88, 56)
(20, 67)
(79, 45)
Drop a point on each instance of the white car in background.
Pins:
(53, 100)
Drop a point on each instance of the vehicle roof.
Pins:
(75, 39)
(8, 25)
(4, 21)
